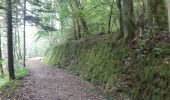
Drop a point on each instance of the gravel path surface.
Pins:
(45, 83)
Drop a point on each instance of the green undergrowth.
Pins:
(104, 62)
(153, 74)
(8, 86)
(96, 60)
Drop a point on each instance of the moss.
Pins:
(8, 87)
(97, 61)
(103, 62)
(154, 76)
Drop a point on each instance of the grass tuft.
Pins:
(8, 86)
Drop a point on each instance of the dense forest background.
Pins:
(121, 45)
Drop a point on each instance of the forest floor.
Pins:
(46, 83)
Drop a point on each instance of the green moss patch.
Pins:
(107, 63)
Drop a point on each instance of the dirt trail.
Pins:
(45, 83)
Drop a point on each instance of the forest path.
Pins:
(45, 83)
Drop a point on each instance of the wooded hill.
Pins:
(123, 47)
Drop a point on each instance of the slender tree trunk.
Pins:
(15, 46)
(74, 27)
(110, 17)
(10, 40)
(84, 24)
(77, 25)
(16, 49)
(78, 29)
(1, 67)
(120, 19)
(19, 46)
(81, 17)
(24, 34)
(17, 38)
(169, 13)
(150, 12)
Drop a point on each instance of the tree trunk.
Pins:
(24, 35)
(127, 19)
(150, 12)
(17, 34)
(78, 30)
(10, 40)
(110, 17)
(169, 14)
(84, 24)
(76, 25)
(81, 18)
(157, 14)
(15, 46)
(1, 68)
(120, 19)
(19, 46)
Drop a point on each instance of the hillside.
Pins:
(118, 68)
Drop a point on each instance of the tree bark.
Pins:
(1, 67)
(19, 46)
(120, 19)
(110, 17)
(10, 40)
(24, 55)
(76, 25)
(127, 19)
(81, 18)
(157, 15)
(169, 13)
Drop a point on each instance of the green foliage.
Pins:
(53, 55)
(1, 61)
(3, 81)
(8, 87)
(104, 62)
(153, 81)
(21, 73)
(41, 34)
(6, 83)
(152, 73)
(100, 63)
